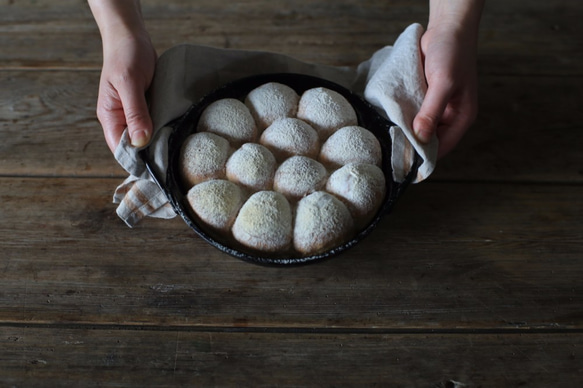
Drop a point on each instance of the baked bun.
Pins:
(231, 119)
(264, 222)
(288, 137)
(326, 111)
(216, 203)
(202, 157)
(361, 187)
(270, 102)
(351, 144)
(299, 176)
(322, 222)
(252, 166)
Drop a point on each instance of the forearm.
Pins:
(117, 18)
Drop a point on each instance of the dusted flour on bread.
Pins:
(271, 102)
(351, 144)
(299, 176)
(361, 187)
(202, 157)
(322, 222)
(231, 119)
(290, 136)
(216, 203)
(252, 166)
(326, 110)
(264, 222)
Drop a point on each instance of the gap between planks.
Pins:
(518, 328)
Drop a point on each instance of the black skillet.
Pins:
(367, 116)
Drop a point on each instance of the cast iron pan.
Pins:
(368, 118)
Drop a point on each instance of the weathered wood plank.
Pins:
(529, 129)
(452, 255)
(112, 358)
(345, 34)
(531, 37)
(48, 125)
(546, 36)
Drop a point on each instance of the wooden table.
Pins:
(475, 280)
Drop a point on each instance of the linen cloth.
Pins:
(392, 80)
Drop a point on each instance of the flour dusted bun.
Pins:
(290, 136)
(299, 176)
(326, 111)
(202, 157)
(264, 222)
(322, 222)
(361, 187)
(270, 102)
(351, 144)
(252, 166)
(229, 118)
(216, 203)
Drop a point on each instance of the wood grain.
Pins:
(526, 131)
(49, 126)
(113, 357)
(534, 37)
(449, 256)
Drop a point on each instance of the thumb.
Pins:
(137, 116)
(432, 108)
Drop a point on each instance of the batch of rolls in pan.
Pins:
(281, 172)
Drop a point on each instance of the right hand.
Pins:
(449, 48)
(451, 103)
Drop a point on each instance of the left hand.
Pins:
(128, 69)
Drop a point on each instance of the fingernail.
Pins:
(139, 139)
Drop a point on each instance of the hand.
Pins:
(451, 103)
(128, 68)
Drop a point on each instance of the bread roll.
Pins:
(264, 222)
(252, 166)
(326, 111)
(270, 102)
(216, 203)
(361, 187)
(322, 222)
(288, 137)
(231, 119)
(299, 176)
(351, 144)
(202, 157)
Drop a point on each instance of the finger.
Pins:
(455, 126)
(449, 137)
(110, 115)
(136, 114)
(432, 108)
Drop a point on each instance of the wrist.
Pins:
(457, 15)
(118, 19)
